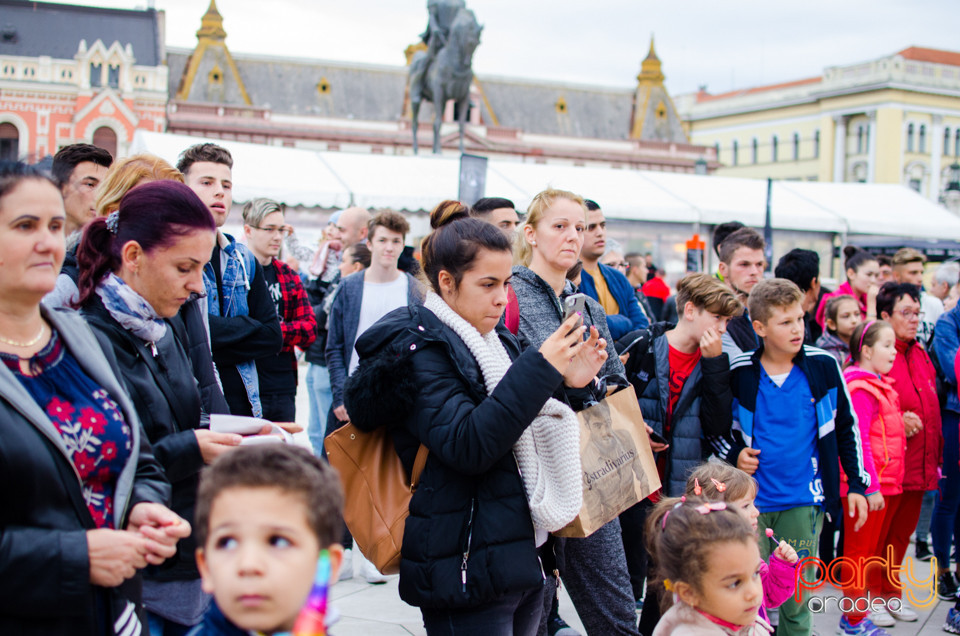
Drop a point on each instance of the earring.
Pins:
(534, 243)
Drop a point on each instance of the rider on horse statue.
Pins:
(443, 72)
(442, 14)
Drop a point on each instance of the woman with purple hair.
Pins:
(137, 268)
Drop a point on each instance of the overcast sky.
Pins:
(723, 45)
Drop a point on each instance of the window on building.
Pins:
(946, 141)
(735, 150)
(915, 184)
(922, 139)
(113, 76)
(796, 146)
(96, 75)
(816, 144)
(716, 150)
(105, 138)
(774, 148)
(909, 137)
(859, 139)
(866, 139)
(753, 151)
(956, 144)
(9, 142)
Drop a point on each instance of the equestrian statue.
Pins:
(443, 72)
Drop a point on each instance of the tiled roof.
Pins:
(920, 54)
(592, 112)
(41, 28)
(703, 96)
(368, 92)
(290, 86)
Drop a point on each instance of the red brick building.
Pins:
(71, 73)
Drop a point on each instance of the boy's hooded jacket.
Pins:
(838, 437)
(703, 408)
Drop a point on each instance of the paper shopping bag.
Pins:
(616, 462)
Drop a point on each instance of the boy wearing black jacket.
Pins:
(682, 380)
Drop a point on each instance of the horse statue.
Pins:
(446, 74)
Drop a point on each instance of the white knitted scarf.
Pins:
(548, 451)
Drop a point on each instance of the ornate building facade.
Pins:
(895, 119)
(71, 73)
(327, 105)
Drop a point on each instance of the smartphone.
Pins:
(574, 303)
(656, 438)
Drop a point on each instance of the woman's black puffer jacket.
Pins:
(168, 401)
(469, 538)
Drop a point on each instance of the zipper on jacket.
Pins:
(466, 552)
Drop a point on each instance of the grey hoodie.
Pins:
(541, 313)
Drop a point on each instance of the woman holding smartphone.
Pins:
(550, 242)
(503, 466)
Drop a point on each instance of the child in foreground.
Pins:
(264, 514)
(707, 557)
(717, 481)
(841, 317)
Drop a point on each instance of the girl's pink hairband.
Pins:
(863, 333)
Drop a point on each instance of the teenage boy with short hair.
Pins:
(78, 169)
(742, 263)
(605, 284)
(264, 514)
(243, 320)
(793, 428)
(689, 359)
(802, 268)
(361, 300)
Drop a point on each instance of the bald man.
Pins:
(353, 226)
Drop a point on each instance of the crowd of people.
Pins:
(787, 421)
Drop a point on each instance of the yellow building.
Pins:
(891, 120)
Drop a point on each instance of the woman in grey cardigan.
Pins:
(85, 507)
(549, 245)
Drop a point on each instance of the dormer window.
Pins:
(96, 75)
(113, 76)
(216, 75)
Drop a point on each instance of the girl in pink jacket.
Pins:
(874, 398)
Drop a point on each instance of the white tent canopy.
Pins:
(288, 175)
(336, 180)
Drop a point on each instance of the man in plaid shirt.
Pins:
(264, 229)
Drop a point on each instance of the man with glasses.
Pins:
(264, 229)
(605, 284)
(243, 320)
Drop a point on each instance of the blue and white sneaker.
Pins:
(863, 628)
(952, 624)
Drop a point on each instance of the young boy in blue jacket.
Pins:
(792, 422)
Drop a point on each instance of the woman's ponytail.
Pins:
(96, 255)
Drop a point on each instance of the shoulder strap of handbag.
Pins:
(418, 465)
